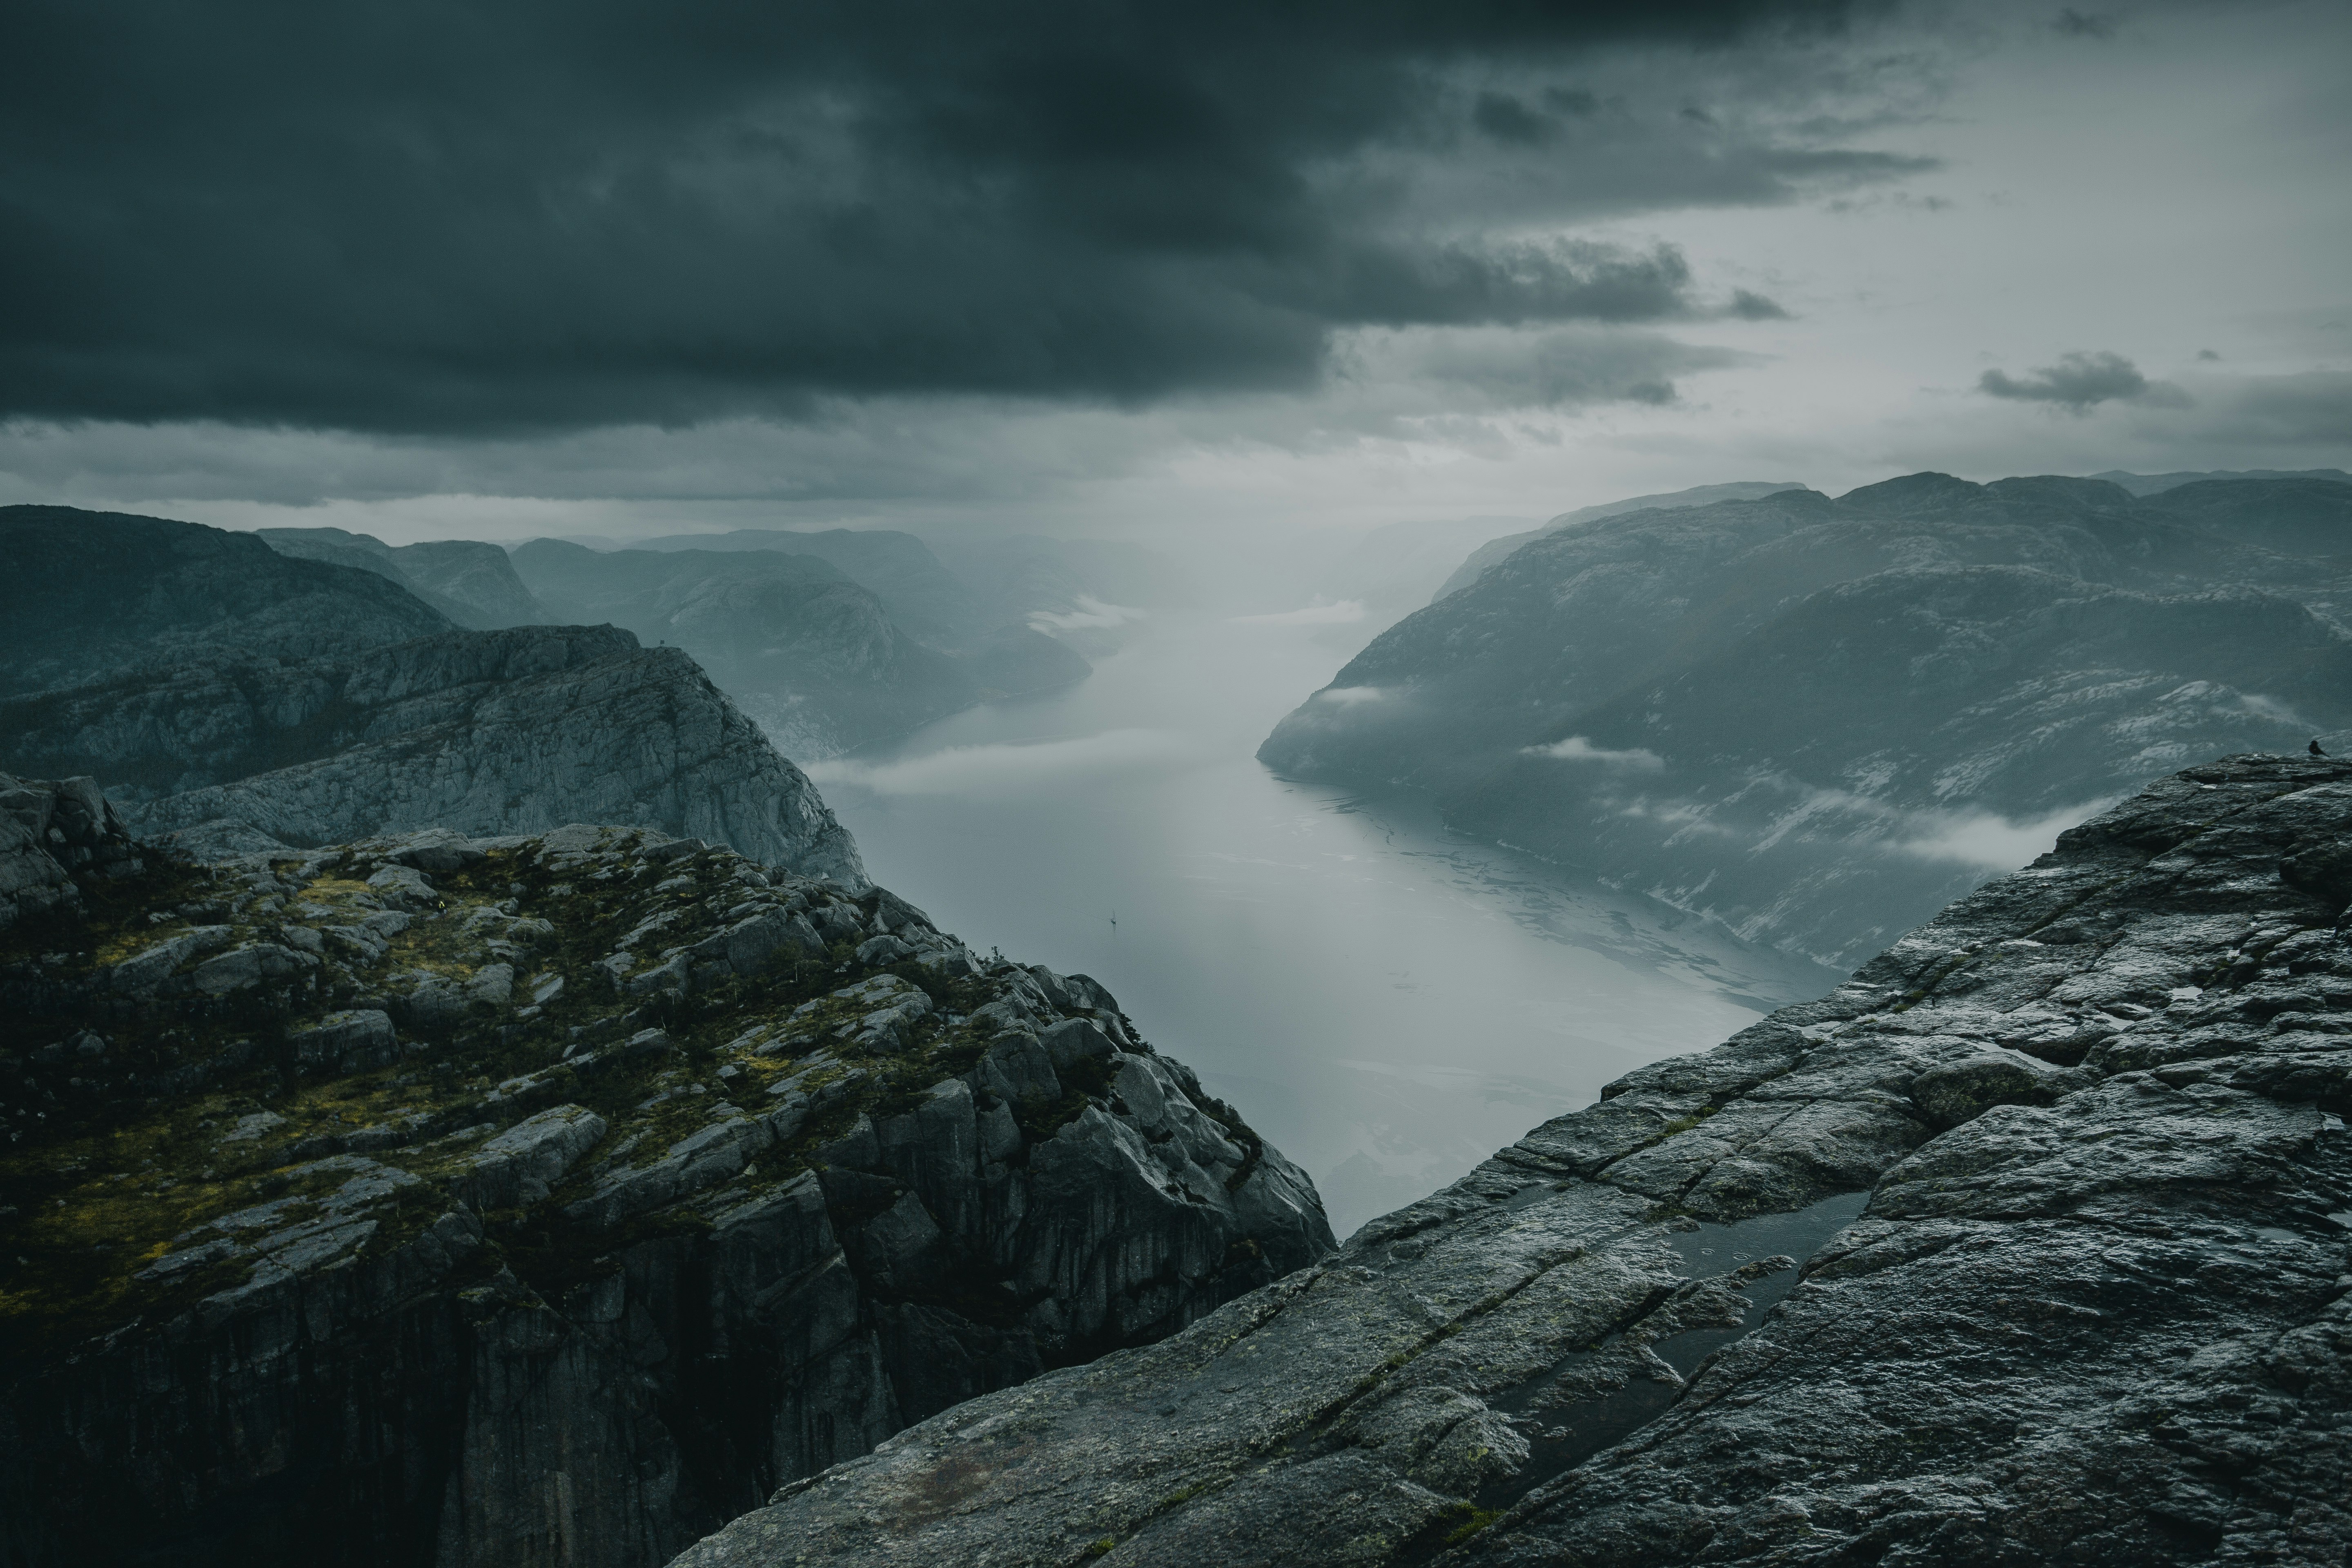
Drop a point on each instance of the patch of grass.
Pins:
(1473, 1520)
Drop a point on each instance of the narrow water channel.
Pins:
(1386, 1003)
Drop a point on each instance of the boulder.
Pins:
(520, 1166)
(344, 1042)
(1963, 1090)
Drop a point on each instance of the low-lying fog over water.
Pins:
(1386, 1003)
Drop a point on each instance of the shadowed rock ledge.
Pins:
(545, 1199)
(2026, 1245)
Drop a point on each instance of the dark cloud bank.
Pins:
(527, 217)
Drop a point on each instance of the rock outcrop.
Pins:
(2027, 1245)
(477, 731)
(551, 1199)
(51, 830)
(235, 721)
(1819, 721)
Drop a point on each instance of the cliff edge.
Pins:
(545, 1198)
(2026, 1245)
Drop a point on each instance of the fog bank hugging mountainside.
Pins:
(1820, 720)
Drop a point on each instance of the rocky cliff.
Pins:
(239, 719)
(479, 732)
(1819, 721)
(547, 1199)
(2027, 1245)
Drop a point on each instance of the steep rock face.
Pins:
(479, 731)
(90, 594)
(248, 697)
(50, 830)
(471, 583)
(2029, 1244)
(1818, 719)
(552, 1199)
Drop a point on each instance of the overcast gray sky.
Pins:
(609, 269)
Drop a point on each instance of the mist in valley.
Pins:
(1554, 782)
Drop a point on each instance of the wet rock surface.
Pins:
(553, 1198)
(2029, 1244)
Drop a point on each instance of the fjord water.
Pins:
(1386, 1003)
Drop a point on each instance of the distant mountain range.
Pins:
(829, 638)
(1820, 720)
(471, 583)
(2151, 484)
(814, 657)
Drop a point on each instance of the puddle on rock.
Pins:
(1597, 1398)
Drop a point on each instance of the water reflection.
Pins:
(1387, 1004)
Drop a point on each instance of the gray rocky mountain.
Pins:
(2027, 1245)
(471, 583)
(479, 731)
(244, 697)
(545, 1199)
(1818, 719)
(1495, 551)
(813, 656)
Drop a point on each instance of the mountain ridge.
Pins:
(242, 694)
(1560, 703)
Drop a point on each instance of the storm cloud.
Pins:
(2081, 381)
(466, 220)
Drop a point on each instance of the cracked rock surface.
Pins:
(549, 1198)
(2029, 1244)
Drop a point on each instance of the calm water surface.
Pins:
(1386, 1003)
